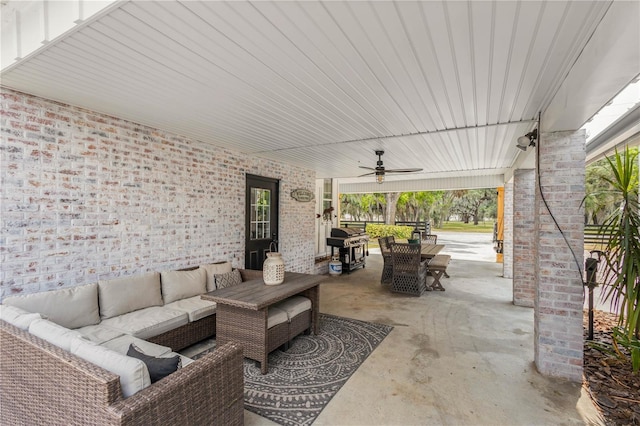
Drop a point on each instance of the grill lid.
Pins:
(346, 232)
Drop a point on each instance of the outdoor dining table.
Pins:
(428, 251)
(242, 311)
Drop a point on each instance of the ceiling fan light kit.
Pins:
(379, 171)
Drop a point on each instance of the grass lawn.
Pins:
(483, 227)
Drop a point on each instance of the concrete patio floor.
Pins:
(459, 357)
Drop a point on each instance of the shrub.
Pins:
(378, 230)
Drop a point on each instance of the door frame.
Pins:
(253, 181)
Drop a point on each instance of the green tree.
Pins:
(599, 202)
(391, 201)
(468, 204)
(622, 272)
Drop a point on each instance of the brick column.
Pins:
(507, 245)
(559, 260)
(524, 259)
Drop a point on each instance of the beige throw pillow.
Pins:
(229, 279)
(123, 295)
(71, 307)
(212, 270)
(178, 285)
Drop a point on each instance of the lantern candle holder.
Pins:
(273, 268)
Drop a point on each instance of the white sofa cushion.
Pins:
(294, 305)
(54, 333)
(18, 317)
(70, 307)
(212, 270)
(98, 333)
(276, 316)
(123, 295)
(133, 373)
(121, 345)
(178, 285)
(195, 307)
(148, 322)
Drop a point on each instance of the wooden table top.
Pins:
(430, 250)
(256, 295)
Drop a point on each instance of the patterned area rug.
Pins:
(302, 380)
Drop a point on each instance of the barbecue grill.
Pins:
(351, 243)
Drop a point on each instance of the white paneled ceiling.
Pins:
(445, 86)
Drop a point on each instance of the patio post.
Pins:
(559, 229)
(524, 249)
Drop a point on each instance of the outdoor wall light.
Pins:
(527, 140)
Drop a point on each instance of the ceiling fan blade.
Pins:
(403, 170)
(368, 174)
(365, 167)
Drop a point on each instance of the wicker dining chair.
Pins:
(387, 268)
(430, 239)
(409, 270)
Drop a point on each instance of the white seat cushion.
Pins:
(276, 316)
(53, 333)
(98, 333)
(18, 317)
(70, 307)
(121, 345)
(177, 285)
(195, 307)
(123, 295)
(148, 322)
(294, 305)
(212, 270)
(133, 373)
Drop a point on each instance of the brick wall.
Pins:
(507, 244)
(524, 249)
(559, 303)
(87, 196)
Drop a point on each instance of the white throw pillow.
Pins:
(212, 270)
(71, 307)
(177, 285)
(18, 317)
(123, 295)
(133, 373)
(54, 333)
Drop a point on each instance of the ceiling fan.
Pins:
(380, 171)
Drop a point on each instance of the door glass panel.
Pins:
(260, 213)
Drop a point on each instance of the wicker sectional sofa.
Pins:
(63, 353)
(44, 384)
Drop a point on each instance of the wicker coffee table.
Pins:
(241, 314)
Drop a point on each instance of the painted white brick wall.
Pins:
(559, 298)
(507, 244)
(87, 196)
(524, 237)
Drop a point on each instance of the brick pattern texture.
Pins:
(507, 243)
(559, 298)
(524, 279)
(87, 196)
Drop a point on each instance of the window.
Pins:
(327, 196)
(260, 213)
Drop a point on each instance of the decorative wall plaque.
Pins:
(302, 195)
